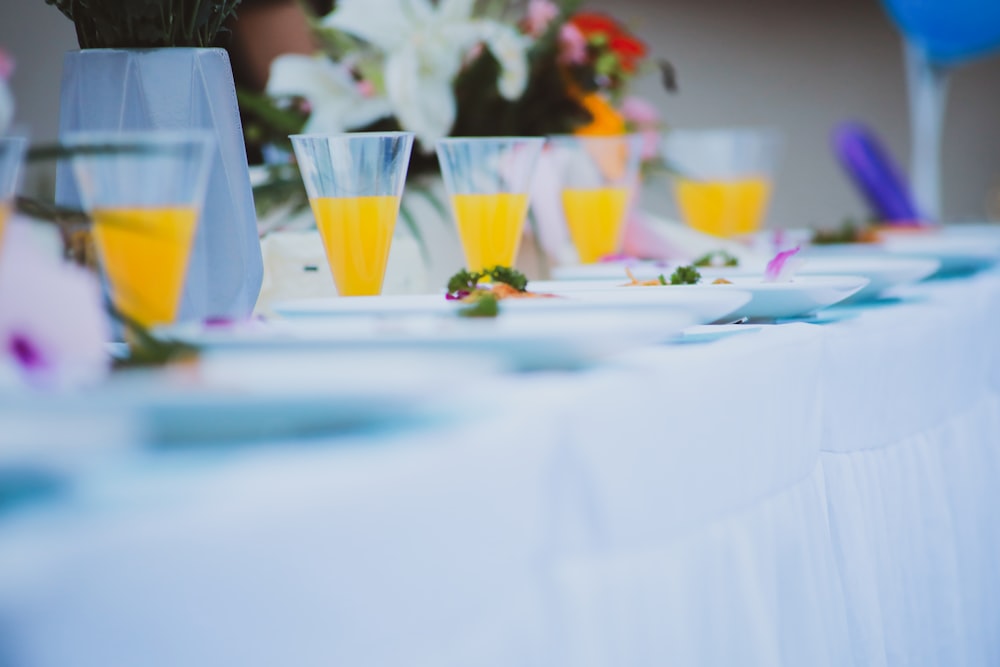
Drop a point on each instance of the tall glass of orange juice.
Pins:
(723, 177)
(11, 154)
(144, 191)
(355, 182)
(487, 180)
(597, 177)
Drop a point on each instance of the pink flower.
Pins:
(572, 45)
(53, 327)
(644, 117)
(640, 113)
(540, 13)
(6, 65)
(366, 88)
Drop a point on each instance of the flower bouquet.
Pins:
(447, 69)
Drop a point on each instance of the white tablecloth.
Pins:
(802, 494)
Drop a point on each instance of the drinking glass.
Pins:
(487, 180)
(723, 177)
(144, 191)
(11, 154)
(355, 182)
(598, 175)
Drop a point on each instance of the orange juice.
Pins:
(4, 213)
(595, 219)
(357, 233)
(144, 252)
(489, 226)
(723, 208)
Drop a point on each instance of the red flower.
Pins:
(629, 49)
(590, 24)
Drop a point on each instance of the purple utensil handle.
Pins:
(875, 175)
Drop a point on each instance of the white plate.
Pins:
(802, 296)
(565, 340)
(958, 252)
(706, 306)
(882, 272)
(225, 398)
(618, 304)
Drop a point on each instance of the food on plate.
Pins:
(482, 299)
(851, 231)
(635, 282)
(717, 259)
(722, 281)
(683, 275)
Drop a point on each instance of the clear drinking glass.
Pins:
(598, 175)
(355, 182)
(144, 191)
(723, 177)
(487, 180)
(11, 155)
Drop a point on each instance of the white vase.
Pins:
(174, 89)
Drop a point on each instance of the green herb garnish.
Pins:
(468, 281)
(484, 305)
(463, 281)
(685, 275)
(509, 276)
(663, 281)
(717, 258)
(850, 231)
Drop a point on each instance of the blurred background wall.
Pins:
(799, 66)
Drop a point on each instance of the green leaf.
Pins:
(288, 121)
(485, 305)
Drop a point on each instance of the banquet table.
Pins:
(819, 492)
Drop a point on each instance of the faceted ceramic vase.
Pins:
(175, 89)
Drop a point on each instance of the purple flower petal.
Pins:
(457, 296)
(776, 267)
(27, 354)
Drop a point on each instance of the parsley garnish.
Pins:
(484, 305)
(468, 281)
(505, 274)
(685, 275)
(663, 281)
(463, 281)
(717, 258)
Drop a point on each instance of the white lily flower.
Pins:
(424, 46)
(338, 102)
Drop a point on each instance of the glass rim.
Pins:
(350, 135)
(488, 139)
